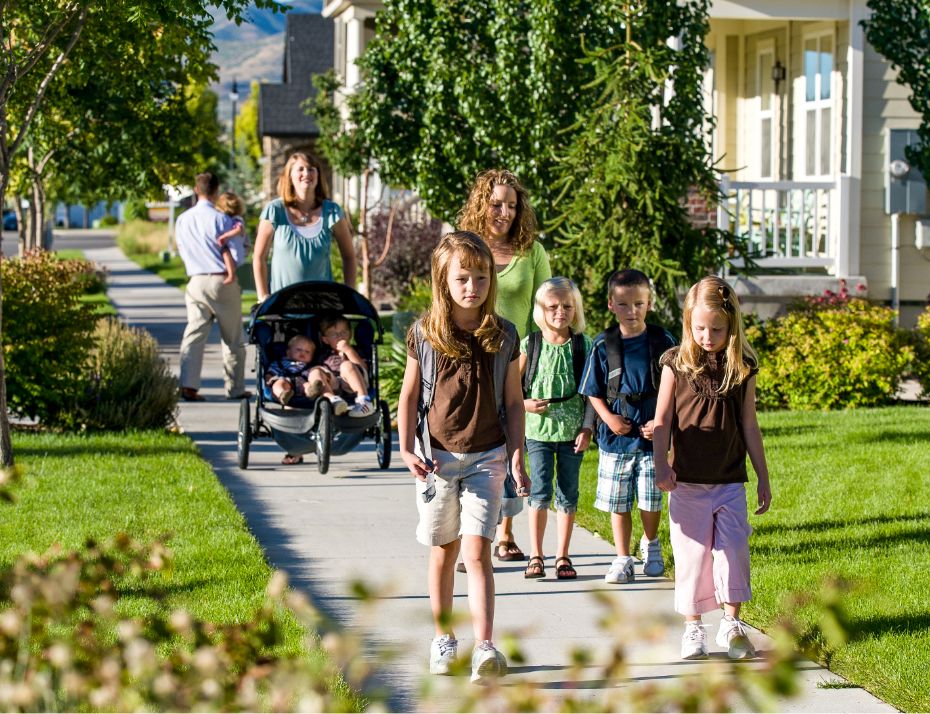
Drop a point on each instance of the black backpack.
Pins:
(533, 348)
(613, 342)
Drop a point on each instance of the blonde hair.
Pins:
(716, 295)
(438, 326)
(563, 286)
(301, 338)
(286, 187)
(474, 215)
(230, 204)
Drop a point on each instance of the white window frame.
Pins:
(817, 105)
(766, 47)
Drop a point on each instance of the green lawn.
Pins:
(144, 484)
(849, 500)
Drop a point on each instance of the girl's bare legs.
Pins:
(441, 582)
(564, 524)
(476, 554)
(537, 519)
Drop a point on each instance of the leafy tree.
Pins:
(39, 40)
(909, 53)
(638, 147)
(505, 74)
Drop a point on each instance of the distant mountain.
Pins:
(251, 51)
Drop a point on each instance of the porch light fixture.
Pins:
(778, 74)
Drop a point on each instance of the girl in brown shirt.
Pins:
(706, 417)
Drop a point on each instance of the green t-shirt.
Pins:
(517, 285)
(555, 377)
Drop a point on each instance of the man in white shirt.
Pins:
(207, 297)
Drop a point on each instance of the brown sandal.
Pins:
(510, 551)
(565, 571)
(535, 568)
(292, 460)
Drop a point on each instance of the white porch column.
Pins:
(847, 258)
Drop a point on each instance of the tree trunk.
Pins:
(21, 224)
(6, 444)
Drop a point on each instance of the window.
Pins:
(818, 105)
(768, 106)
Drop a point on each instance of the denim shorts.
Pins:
(511, 504)
(468, 496)
(558, 460)
(623, 477)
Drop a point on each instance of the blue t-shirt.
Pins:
(636, 379)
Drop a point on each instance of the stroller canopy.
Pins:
(314, 297)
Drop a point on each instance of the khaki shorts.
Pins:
(468, 496)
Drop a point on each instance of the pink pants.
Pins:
(709, 530)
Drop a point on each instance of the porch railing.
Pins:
(790, 224)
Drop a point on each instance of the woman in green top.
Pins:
(298, 228)
(498, 210)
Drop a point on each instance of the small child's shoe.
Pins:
(339, 405)
(487, 663)
(621, 571)
(286, 396)
(694, 641)
(734, 637)
(442, 653)
(361, 408)
(653, 563)
(315, 389)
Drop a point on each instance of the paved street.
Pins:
(357, 522)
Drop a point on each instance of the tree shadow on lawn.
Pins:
(810, 549)
(774, 528)
(96, 449)
(864, 628)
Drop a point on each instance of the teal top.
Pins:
(517, 285)
(555, 377)
(295, 258)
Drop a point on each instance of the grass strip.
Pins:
(145, 484)
(849, 501)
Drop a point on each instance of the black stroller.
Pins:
(310, 424)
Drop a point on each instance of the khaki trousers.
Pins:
(208, 299)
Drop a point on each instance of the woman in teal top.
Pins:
(498, 209)
(298, 228)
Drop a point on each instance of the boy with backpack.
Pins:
(621, 379)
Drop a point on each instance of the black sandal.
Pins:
(535, 568)
(565, 571)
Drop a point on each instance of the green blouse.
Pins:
(517, 285)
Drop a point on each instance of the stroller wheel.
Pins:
(383, 436)
(324, 434)
(244, 437)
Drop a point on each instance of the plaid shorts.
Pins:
(621, 477)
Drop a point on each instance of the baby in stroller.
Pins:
(294, 374)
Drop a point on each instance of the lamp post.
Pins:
(233, 97)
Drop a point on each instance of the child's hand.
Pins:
(520, 478)
(621, 426)
(536, 406)
(342, 346)
(764, 494)
(666, 480)
(647, 429)
(582, 441)
(221, 241)
(417, 466)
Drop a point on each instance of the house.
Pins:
(808, 119)
(806, 111)
(283, 123)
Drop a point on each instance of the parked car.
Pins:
(9, 220)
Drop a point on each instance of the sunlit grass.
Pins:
(849, 501)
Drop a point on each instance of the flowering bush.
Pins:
(921, 367)
(830, 352)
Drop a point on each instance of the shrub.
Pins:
(108, 220)
(921, 366)
(412, 243)
(47, 335)
(131, 385)
(830, 353)
(142, 237)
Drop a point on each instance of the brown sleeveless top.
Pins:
(707, 444)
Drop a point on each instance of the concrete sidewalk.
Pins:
(357, 523)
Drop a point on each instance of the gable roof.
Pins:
(308, 50)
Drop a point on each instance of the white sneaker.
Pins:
(694, 641)
(442, 653)
(734, 637)
(339, 405)
(621, 570)
(651, 550)
(487, 663)
(361, 408)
